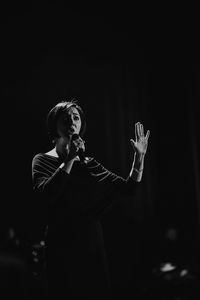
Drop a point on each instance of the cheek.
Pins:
(79, 125)
(61, 129)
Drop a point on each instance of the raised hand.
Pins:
(140, 143)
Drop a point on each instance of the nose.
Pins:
(72, 121)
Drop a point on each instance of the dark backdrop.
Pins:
(124, 65)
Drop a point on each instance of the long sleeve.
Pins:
(47, 177)
(108, 186)
(89, 188)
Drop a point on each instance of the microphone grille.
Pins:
(75, 136)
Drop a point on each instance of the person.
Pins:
(77, 190)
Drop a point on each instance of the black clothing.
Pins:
(76, 259)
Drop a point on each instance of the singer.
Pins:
(77, 190)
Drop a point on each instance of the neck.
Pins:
(62, 149)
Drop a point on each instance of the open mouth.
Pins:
(71, 130)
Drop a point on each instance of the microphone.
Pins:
(80, 151)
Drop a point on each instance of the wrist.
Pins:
(138, 170)
(67, 165)
(136, 175)
(139, 157)
(138, 161)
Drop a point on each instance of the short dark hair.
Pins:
(55, 113)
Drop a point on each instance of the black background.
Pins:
(124, 64)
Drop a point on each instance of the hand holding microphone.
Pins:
(75, 150)
(78, 146)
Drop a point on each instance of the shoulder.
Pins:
(40, 158)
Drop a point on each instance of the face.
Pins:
(69, 123)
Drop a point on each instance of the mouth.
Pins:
(71, 130)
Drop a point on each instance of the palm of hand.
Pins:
(141, 141)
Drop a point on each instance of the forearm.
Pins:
(137, 167)
(54, 185)
(67, 166)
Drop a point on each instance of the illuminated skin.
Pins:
(141, 140)
(69, 123)
(139, 145)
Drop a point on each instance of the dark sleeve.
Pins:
(48, 178)
(109, 187)
(109, 181)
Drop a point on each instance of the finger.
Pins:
(137, 130)
(141, 130)
(132, 143)
(147, 135)
(82, 146)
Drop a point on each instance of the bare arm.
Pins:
(139, 145)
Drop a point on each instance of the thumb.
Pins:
(133, 143)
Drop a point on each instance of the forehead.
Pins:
(72, 110)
